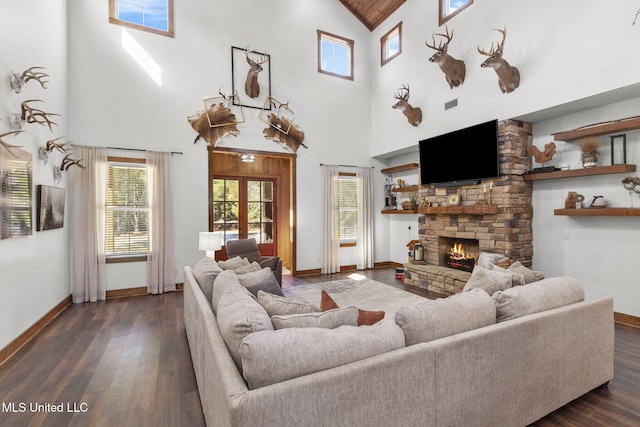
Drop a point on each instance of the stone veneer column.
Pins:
(507, 232)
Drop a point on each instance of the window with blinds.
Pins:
(346, 194)
(127, 210)
(15, 193)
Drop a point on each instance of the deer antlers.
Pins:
(263, 58)
(35, 115)
(402, 95)
(8, 146)
(19, 80)
(67, 162)
(442, 47)
(51, 145)
(498, 49)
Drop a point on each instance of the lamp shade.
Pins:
(210, 241)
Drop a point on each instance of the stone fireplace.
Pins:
(494, 216)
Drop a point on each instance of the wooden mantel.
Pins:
(459, 210)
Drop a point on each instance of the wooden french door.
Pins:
(244, 207)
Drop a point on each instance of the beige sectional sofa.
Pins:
(456, 366)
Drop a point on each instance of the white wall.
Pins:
(34, 270)
(601, 252)
(564, 50)
(113, 102)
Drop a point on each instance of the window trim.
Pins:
(122, 258)
(385, 39)
(442, 10)
(350, 45)
(169, 33)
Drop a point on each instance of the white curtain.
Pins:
(364, 177)
(87, 188)
(330, 244)
(161, 259)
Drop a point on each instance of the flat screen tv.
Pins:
(462, 157)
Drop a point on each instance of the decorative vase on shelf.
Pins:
(590, 160)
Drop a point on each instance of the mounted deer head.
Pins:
(216, 122)
(251, 85)
(508, 76)
(35, 115)
(453, 69)
(19, 80)
(414, 115)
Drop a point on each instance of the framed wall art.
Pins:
(50, 207)
(250, 77)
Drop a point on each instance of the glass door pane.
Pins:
(226, 208)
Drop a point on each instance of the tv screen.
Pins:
(462, 157)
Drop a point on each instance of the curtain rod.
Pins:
(347, 166)
(140, 149)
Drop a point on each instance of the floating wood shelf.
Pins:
(407, 189)
(401, 168)
(623, 125)
(599, 170)
(460, 210)
(598, 212)
(399, 211)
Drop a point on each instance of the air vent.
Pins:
(449, 105)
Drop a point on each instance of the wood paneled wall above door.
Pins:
(225, 163)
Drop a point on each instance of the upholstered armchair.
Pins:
(248, 248)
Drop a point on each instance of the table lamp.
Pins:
(211, 242)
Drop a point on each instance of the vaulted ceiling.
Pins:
(372, 12)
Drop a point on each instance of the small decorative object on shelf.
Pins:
(413, 200)
(630, 183)
(589, 148)
(598, 202)
(454, 199)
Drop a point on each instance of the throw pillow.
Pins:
(280, 305)
(270, 357)
(480, 280)
(430, 320)
(240, 315)
(205, 271)
(254, 277)
(227, 279)
(536, 297)
(233, 263)
(517, 279)
(327, 319)
(270, 285)
(529, 275)
(485, 259)
(253, 267)
(365, 317)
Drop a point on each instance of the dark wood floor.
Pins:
(126, 362)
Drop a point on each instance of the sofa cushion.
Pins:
(326, 319)
(486, 259)
(240, 315)
(233, 263)
(365, 317)
(480, 279)
(529, 275)
(254, 276)
(249, 268)
(227, 279)
(442, 317)
(268, 284)
(538, 296)
(280, 305)
(270, 357)
(205, 271)
(517, 279)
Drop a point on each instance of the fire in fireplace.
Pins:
(459, 259)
